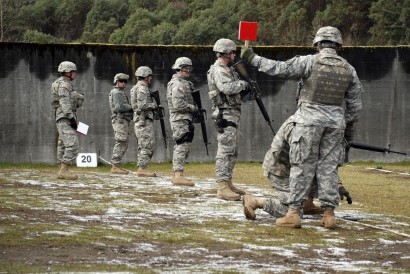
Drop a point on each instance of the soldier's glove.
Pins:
(247, 54)
(344, 193)
(244, 85)
(73, 123)
(349, 132)
(193, 109)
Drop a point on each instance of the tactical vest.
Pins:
(329, 81)
(218, 98)
(177, 82)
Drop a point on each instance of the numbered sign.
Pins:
(87, 160)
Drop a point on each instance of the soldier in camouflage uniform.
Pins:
(121, 115)
(144, 110)
(224, 92)
(182, 109)
(65, 101)
(330, 101)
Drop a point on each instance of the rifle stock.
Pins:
(161, 114)
(202, 117)
(254, 91)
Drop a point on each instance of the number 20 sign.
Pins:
(87, 160)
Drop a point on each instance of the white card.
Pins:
(82, 128)
(87, 160)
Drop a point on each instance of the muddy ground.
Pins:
(103, 222)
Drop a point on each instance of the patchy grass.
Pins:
(112, 223)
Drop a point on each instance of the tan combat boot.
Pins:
(117, 170)
(310, 208)
(64, 173)
(250, 204)
(143, 172)
(291, 219)
(329, 219)
(234, 189)
(180, 180)
(226, 193)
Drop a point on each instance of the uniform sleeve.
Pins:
(178, 100)
(134, 99)
(143, 103)
(120, 104)
(295, 68)
(225, 83)
(353, 99)
(64, 99)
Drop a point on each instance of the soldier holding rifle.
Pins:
(328, 107)
(144, 107)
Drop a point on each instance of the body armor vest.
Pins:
(330, 78)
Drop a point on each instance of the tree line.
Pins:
(202, 22)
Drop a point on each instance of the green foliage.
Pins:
(35, 36)
(391, 22)
(202, 22)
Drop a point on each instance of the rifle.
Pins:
(161, 114)
(253, 93)
(200, 117)
(370, 148)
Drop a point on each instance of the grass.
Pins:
(52, 218)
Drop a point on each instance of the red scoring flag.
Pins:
(248, 31)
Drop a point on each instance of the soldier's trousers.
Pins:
(68, 143)
(146, 142)
(181, 151)
(227, 153)
(315, 150)
(121, 132)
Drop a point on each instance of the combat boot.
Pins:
(310, 208)
(180, 180)
(117, 170)
(291, 219)
(226, 193)
(143, 172)
(329, 219)
(64, 173)
(250, 204)
(234, 189)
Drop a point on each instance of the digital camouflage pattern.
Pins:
(224, 92)
(121, 115)
(181, 109)
(65, 101)
(143, 106)
(318, 128)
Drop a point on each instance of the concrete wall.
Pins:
(28, 132)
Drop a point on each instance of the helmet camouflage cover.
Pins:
(67, 66)
(224, 45)
(120, 76)
(143, 72)
(328, 34)
(181, 62)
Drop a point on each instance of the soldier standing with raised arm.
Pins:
(144, 106)
(224, 92)
(330, 101)
(121, 115)
(181, 111)
(65, 101)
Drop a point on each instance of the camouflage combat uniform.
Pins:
(181, 108)
(121, 115)
(316, 146)
(224, 92)
(65, 102)
(143, 106)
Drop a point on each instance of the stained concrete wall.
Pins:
(28, 132)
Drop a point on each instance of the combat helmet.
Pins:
(143, 72)
(224, 45)
(328, 34)
(67, 66)
(120, 76)
(181, 62)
